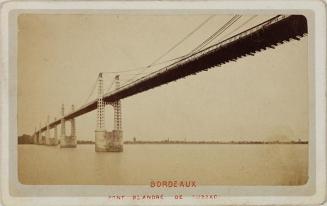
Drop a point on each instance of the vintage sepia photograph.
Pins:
(163, 99)
(163, 102)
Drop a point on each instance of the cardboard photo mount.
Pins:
(311, 193)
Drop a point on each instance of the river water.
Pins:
(219, 164)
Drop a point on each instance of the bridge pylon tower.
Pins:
(47, 132)
(55, 133)
(52, 141)
(117, 133)
(35, 136)
(39, 136)
(117, 109)
(66, 141)
(101, 141)
(107, 141)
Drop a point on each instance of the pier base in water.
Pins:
(68, 142)
(108, 141)
(52, 141)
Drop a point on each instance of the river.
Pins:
(211, 164)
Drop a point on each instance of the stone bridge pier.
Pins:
(43, 138)
(108, 141)
(39, 135)
(67, 141)
(35, 136)
(47, 132)
(52, 141)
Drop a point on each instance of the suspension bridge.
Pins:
(266, 35)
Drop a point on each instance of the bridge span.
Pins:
(268, 34)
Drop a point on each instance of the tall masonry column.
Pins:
(117, 133)
(101, 140)
(39, 135)
(47, 133)
(55, 135)
(72, 124)
(63, 129)
(52, 140)
(44, 138)
(65, 141)
(117, 108)
(72, 138)
(35, 136)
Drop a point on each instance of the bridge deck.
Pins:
(265, 35)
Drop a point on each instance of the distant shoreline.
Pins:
(131, 143)
(214, 142)
(27, 139)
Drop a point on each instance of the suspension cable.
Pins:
(173, 47)
(237, 28)
(183, 39)
(92, 90)
(217, 33)
(220, 31)
(112, 82)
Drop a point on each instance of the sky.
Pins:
(260, 97)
